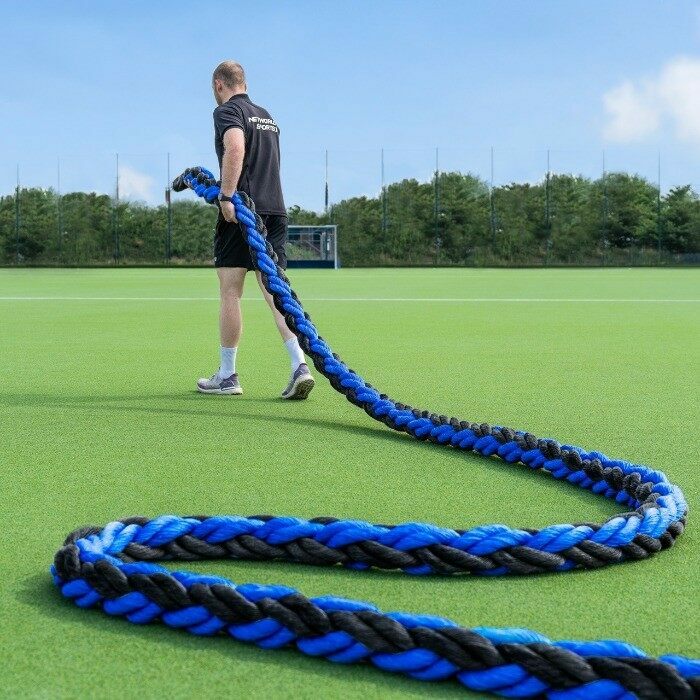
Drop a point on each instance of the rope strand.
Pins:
(112, 567)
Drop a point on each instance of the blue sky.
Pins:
(84, 80)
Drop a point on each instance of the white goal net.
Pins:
(313, 246)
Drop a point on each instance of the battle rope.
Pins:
(111, 566)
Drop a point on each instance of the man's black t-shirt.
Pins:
(260, 176)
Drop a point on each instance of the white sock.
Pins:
(228, 362)
(295, 353)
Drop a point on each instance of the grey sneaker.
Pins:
(300, 385)
(216, 385)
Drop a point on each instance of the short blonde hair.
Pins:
(230, 73)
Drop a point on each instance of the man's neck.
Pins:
(226, 96)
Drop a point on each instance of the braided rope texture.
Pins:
(113, 567)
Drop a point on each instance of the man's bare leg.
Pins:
(225, 381)
(279, 319)
(301, 381)
(231, 280)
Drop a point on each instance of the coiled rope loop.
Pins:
(112, 567)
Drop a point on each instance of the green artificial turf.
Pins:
(99, 420)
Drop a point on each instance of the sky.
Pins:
(591, 83)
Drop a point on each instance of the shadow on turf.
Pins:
(139, 404)
(600, 508)
(39, 593)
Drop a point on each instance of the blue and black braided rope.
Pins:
(112, 567)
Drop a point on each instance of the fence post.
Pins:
(59, 207)
(17, 255)
(547, 222)
(492, 210)
(115, 216)
(604, 232)
(325, 191)
(437, 206)
(659, 222)
(384, 222)
(169, 233)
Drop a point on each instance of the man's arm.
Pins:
(231, 167)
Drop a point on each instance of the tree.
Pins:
(565, 219)
(521, 233)
(463, 222)
(304, 217)
(86, 233)
(193, 231)
(575, 218)
(681, 215)
(360, 242)
(631, 210)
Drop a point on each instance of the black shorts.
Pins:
(231, 248)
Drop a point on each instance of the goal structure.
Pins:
(313, 246)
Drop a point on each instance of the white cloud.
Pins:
(632, 112)
(679, 89)
(672, 97)
(135, 185)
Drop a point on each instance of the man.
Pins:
(246, 139)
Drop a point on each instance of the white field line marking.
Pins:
(457, 300)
